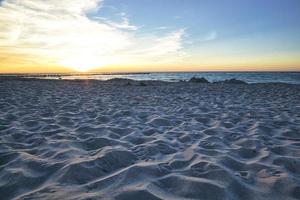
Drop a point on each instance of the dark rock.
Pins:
(143, 84)
(119, 80)
(234, 81)
(198, 80)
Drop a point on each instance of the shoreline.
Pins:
(128, 80)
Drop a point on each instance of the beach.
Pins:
(124, 139)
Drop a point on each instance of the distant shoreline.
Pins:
(128, 81)
(247, 77)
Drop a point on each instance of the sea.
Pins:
(249, 77)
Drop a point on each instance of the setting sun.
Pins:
(83, 63)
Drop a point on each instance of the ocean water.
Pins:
(249, 77)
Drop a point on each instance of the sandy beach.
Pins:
(125, 139)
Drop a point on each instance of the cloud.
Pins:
(210, 36)
(59, 31)
(177, 17)
(159, 46)
(162, 28)
(124, 24)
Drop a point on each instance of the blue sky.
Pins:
(229, 18)
(237, 27)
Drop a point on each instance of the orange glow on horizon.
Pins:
(124, 69)
(11, 63)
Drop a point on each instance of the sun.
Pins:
(82, 68)
(83, 63)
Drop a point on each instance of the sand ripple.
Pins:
(111, 140)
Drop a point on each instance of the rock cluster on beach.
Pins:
(198, 80)
(232, 81)
(229, 81)
(107, 140)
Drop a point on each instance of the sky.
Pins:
(53, 36)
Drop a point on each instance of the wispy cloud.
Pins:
(123, 24)
(177, 17)
(59, 31)
(162, 28)
(210, 36)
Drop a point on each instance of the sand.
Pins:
(126, 140)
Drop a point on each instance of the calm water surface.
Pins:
(249, 77)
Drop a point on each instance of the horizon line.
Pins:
(149, 72)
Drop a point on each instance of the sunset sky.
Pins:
(41, 36)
